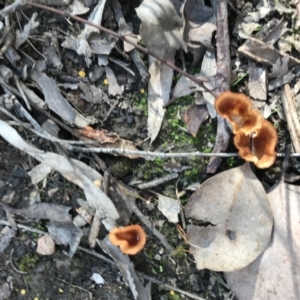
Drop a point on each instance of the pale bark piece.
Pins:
(32, 96)
(290, 111)
(209, 70)
(169, 207)
(275, 274)
(257, 82)
(159, 88)
(94, 230)
(236, 204)
(262, 53)
(45, 245)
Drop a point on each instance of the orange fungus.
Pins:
(255, 138)
(131, 239)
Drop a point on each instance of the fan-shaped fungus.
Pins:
(131, 239)
(260, 148)
(237, 109)
(255, 138)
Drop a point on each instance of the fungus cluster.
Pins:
(131, 239)
(255, 138)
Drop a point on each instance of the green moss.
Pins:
(233, 162)
(152, 169)
(28, 262)
(121, 167)
(141, 102)
(180, 251)
(173, 296)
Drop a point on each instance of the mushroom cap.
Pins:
(131, 239)
(243, 143)
(264, 144)
(260, 148)
(237, 109)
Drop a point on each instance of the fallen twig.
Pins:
(157, 181)
(114, 151)
(13, 265)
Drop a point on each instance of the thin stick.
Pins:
(124, 39)
(13, 265)
(115, 151)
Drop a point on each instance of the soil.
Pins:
(33, 276)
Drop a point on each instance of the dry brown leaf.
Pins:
(158, 94)
(194, 118)
(162, 24)
(275, 274)
(53, 97)
(102, 136)
(236, 205)
(42, 211)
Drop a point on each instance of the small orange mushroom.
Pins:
(237, 109)
(131, 239)
(260, 148)
(255, 138)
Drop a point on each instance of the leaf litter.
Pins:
(179, 24)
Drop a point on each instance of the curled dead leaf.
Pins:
(235, 205)
(275, 274)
